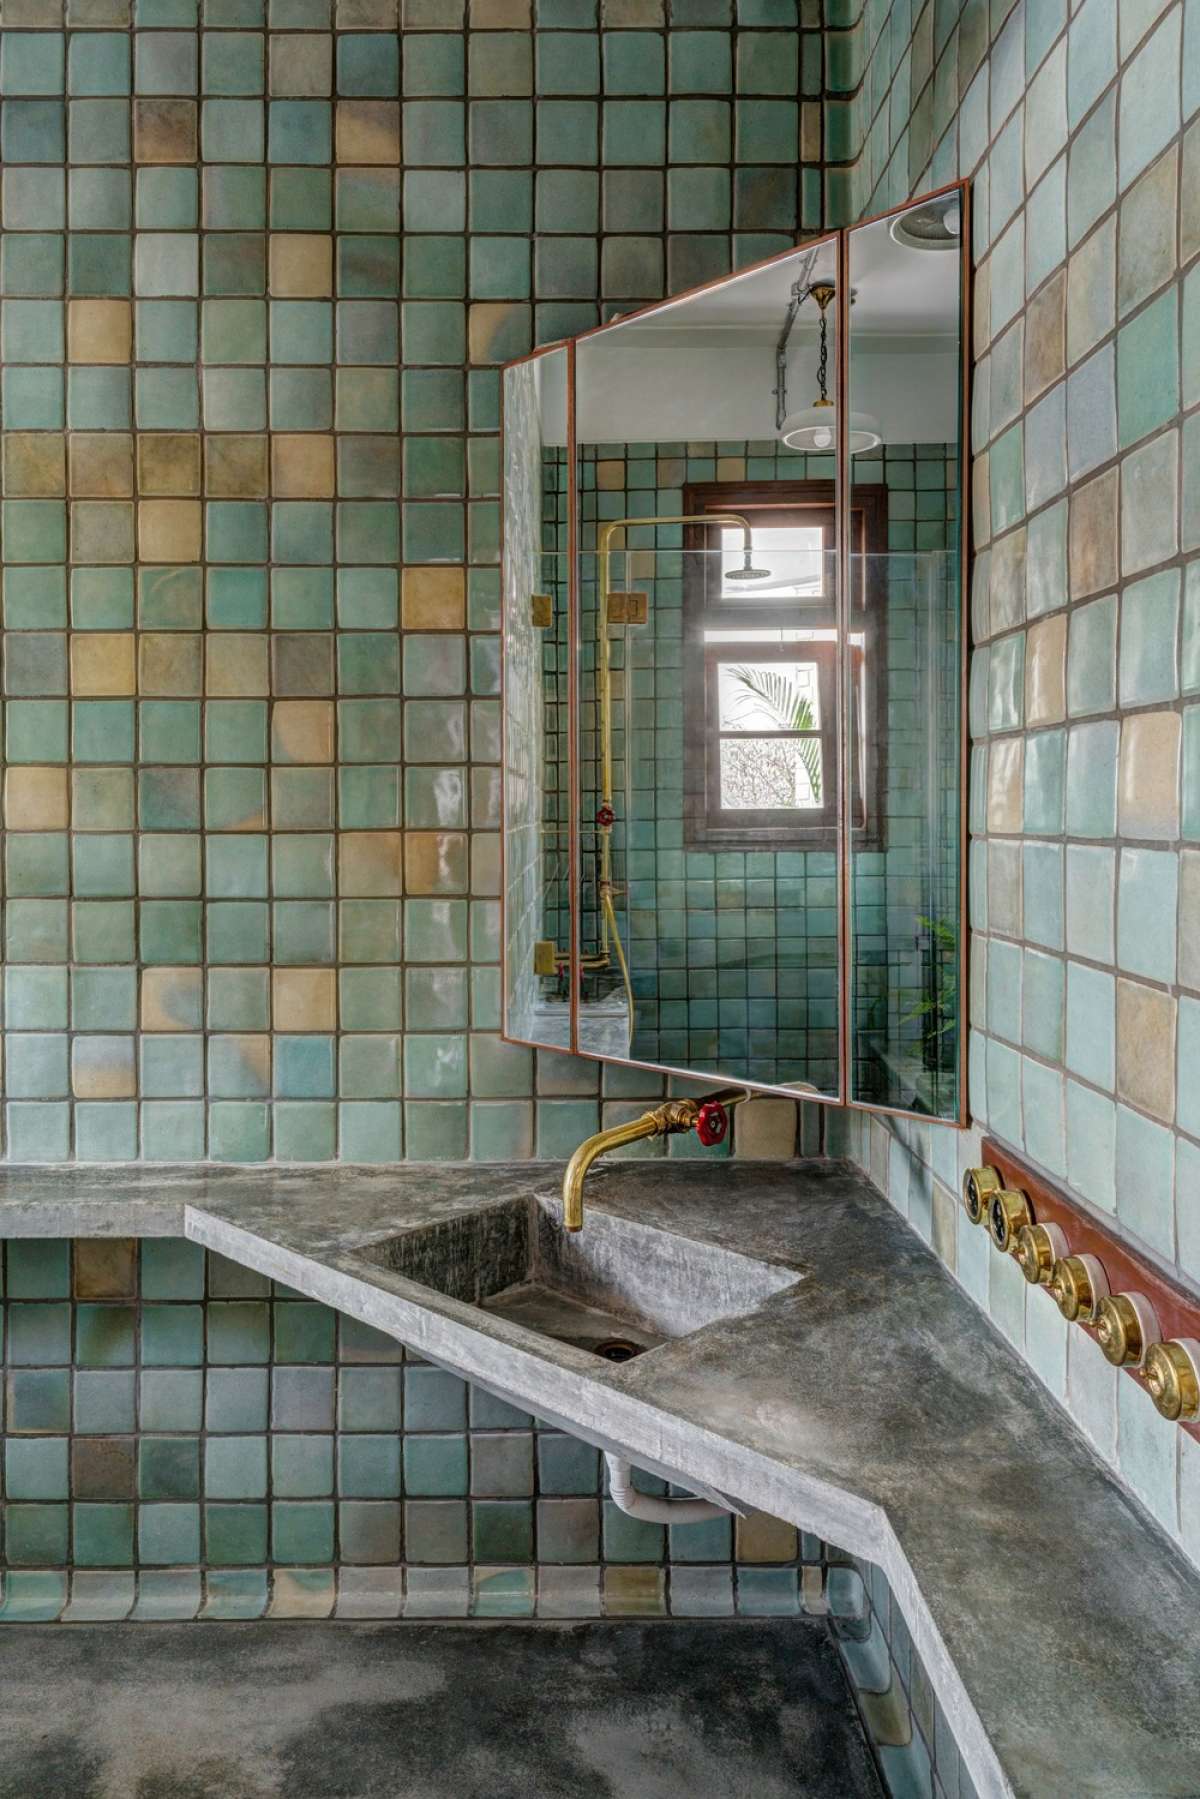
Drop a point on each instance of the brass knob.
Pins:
(1077, 1285)
(978, 1186)
(1173, 1377)
(1007, 1211)
(1038, 1247)
(1125, 1325)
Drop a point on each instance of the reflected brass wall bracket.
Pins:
(1142, 1320)
(628, 608)
(541, 611)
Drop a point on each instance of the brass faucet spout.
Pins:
(673, 1115)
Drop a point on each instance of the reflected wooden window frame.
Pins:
(770, 504)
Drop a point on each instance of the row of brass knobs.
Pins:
(1125, 1325)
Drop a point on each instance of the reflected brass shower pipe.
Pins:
(605, 814)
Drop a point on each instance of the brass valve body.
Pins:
(1125, 1325)
(1038, 1247)
(1173, 1377)
(1077, 1285)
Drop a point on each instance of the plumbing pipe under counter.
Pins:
(868, 1403)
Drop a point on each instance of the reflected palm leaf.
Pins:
(785, 699)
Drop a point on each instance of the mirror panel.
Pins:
(709, 692)
(538, 643)
(733, 677)
(905, 381)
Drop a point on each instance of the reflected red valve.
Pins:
(712, 1122)
(606, 818)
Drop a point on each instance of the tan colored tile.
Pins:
(1006, 769)
(169, 530)
(34, 464)
(35, 799)
(170, 662)
(1189, 919)
(610, 474)
(164, 131)
(369, 864)
(981, 501)
(103, 1068)
(765, 1130)
(253, 1052)
(1092, 536)
(168, 463)
(99, 331)
(304, 999)
(301, 264)
(761, 1538)
(634, 1592)
(368, 131)
(1091, 291)
(501, 15)
(172, 998)
(435, 861)
(302, 465)
(1148, 797)
(1189, 216)
(302, 731)
(1146, 256)
(102, 531)
(486, 320)
(1006, 581)
(101, 464)
(1146, 1048)
(302, 65)
(1046, 336)
(1046, 671)
(434, 599)
(104, 1267)
(102, 663)
(731, 468)
(236, 664)
(235, 467)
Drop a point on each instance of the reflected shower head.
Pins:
(747, 572)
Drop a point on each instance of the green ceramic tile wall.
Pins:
(190, 1437)
(261, 261)
(1078, 125)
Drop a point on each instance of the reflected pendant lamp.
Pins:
(815, 429)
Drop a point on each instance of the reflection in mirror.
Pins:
(709, 694)
(904, 674)
(537, 887)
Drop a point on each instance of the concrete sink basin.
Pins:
(617, 1288)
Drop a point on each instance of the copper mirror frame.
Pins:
(843, 240)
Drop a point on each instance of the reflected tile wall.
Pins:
(1078, 125)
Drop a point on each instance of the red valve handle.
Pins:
(712, 1122)
(606, 818)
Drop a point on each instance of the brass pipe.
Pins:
(604, 546)
(674, 1115)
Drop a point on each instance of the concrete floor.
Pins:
(599, 1710)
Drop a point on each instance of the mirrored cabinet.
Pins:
(734, 641)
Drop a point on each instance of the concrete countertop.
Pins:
(872, 1404)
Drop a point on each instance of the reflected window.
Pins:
(761, 667)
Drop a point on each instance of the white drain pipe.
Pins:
(645, 1506)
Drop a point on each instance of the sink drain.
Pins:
(618, 1349)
